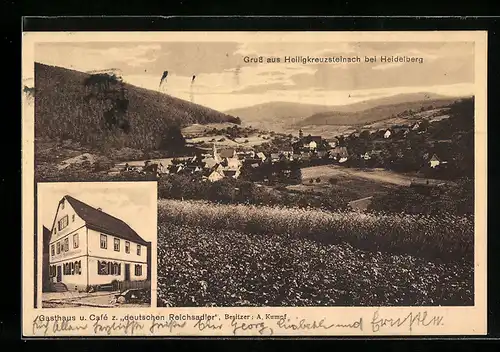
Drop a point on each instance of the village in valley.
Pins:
(276, 202)
(280, 159)
(423, 142)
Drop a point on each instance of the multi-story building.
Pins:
(89, 247)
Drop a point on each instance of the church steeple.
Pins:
(215, 154)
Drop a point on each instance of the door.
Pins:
(127, 272)
(59, 273)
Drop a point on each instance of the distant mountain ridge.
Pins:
(289, 114)
(375, 113)
(63, 111)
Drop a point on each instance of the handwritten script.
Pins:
(158, 325)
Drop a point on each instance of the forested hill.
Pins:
(100, 110)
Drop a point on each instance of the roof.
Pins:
(230, 173)
(227, 153)
(100, 221)
(309, 139)
(46, 235)
(342, 151)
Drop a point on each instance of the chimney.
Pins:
(100, 209)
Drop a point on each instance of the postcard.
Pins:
(254, 184)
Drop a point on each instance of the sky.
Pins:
(225, 81)
(132, 202)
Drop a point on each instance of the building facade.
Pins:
(89, 247)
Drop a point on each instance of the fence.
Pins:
(125, 285)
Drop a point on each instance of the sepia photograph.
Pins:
(260, 178)
(96, 241)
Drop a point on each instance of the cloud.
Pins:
(87, 58)
(224, 80)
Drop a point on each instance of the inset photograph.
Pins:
(97, 243)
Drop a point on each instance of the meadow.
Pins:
(240, 255)
(439, 239)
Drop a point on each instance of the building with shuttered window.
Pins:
(89, 247)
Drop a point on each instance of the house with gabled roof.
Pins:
(228, 153)
(89, 247)
(261, 156)
(434, 161)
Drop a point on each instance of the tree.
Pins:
(295, 172)
(424, 125)
(365, 135)
(172, 139)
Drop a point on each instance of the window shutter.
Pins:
(98, 267)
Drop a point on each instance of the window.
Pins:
(58, 246)
(138, 249)
(102, 268)
(104, 241)
(62, 205)
(106, 268)
(127, 247)
(73, 218)
(117, 244)
(63, 223)
(76, 241)
(66, 244)
(116, 269)
(138, 270)
(72, 268)
(52, 250)
(54, 231)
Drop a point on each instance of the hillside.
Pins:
(63, 110)
(281, 113)
(373, 114)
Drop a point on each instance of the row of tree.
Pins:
(452, 140)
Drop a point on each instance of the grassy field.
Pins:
(215, 255)
(351, 188)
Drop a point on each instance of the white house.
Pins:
(215, 175)
(435, 161)
(90, 247)
(261, 156)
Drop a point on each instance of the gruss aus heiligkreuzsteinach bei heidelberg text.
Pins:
(335, 59)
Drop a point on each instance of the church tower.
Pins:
(215, 154)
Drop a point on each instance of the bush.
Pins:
(228, 268)
(318, 180)
(333, 181)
